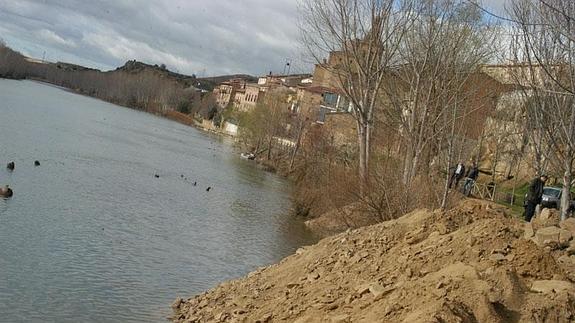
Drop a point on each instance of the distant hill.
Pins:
(205, 83)
(68, 66)
(224, 78)
(137, 85)
(12, 58)
(136, 67)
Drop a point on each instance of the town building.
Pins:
(248, 98)
(244, 96)
(225, 92)
(320, 97)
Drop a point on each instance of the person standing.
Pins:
(533, 197)
(470, 180)
(457, 174)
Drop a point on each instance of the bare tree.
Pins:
(424, 96)
(547, 36)
(365, 37)
(263, 125)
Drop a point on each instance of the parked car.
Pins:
(551, 197)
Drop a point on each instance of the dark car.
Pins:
(552, 198)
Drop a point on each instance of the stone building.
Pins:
(244, 96)
(225, 92)
(251, 94)
(504, 140)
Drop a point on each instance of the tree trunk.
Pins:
(448, 173)
(297, 145)
(363, 138)
(270, 148)
(414, 165)
(479, 146)
(367, 150)
(515, 180)
(566, 191)
(257, 150)
(408, 161)
(495, 160)
(450, 150)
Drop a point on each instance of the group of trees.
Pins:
(404, 65)
(146, 90)
(409, 69)
(264, 126)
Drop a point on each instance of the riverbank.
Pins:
(188, 120)
(474, 263)
(173, 115)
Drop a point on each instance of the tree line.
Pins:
(147, 89)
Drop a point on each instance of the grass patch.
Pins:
(503, 197)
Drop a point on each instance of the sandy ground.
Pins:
(471, 264)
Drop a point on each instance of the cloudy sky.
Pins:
(205, 37)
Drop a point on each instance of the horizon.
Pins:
(39, 60)
(200, 38)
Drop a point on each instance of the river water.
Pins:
(92, 235)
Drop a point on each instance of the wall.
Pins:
(230, 128)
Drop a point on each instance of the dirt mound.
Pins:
(348, 217)
(470, 264)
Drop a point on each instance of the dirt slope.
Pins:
(470, 264)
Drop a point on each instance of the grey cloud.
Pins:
(190, 36)
(224, 36)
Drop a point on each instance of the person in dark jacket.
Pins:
(470, 180)
(533, 197)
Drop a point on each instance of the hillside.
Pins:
(136, 67)
(223, 78)
(137, 85)
(15, 65)
(474, 263)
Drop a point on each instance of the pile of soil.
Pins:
(474, 263)
(352, 216)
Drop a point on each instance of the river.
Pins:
(91, 235)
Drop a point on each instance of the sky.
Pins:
(202, 37)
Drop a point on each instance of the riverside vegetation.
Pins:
(136, 85)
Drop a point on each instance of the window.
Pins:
(321, 116)
(343, 104)
(553, 192)
(330, 99)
